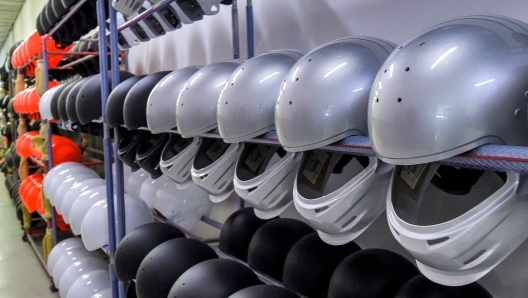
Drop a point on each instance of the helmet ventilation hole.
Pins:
(348, 222)
(437, 241)
(377, 99)
(290, 102)
(422, 44)
(252, 189)
(296, 79)
(309, 60)
(399, 99)
(475, 257)
(226, 102)
(385, 71)
(400, 47)
(318, 210)
(407, 69)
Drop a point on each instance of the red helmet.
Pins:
(64, 150)
(23, 145)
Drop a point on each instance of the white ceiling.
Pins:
(9, 10)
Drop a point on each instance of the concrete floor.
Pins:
(21, 274)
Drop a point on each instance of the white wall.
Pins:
(24, 24)
(305, 24)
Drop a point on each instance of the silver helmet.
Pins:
(455, 86)
(198, 99)
(246, 108)
(324, 97)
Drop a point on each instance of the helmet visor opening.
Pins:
(210, 151)
(322, 173)
(431, 194)
(256, 159)
(175, 146)
(149, 144)
(130, 139)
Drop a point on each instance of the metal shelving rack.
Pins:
(488, 157)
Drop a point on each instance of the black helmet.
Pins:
(420, 287)
(237, 232)
(135, 107)
(39, 23)
(214, 279)
(128, 146)
(162, 266)
(264, 291)
(71, 112)
(148, 155)
(374, 273)
(8, 156)
(61, 101)
(58, 7)
(55, 101)
(137, 244)
(50, 13)
(310, 264)
(116, 102)
(272, 242)
(88, 103)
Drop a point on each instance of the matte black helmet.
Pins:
(135, 107)
(371, 273)
(264, 291)
(88, 103)
(61, 101)
(310, 264)
(54, 103)
(217, 278)
(137, 244)
(237, 231)
(272, 242)
(167, 262)
(71, 112)
(116, 102)
(420, 287)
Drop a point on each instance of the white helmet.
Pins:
(188, 11)
(323, 100)
(90, 284)
(44, 104)
(103, 294)
(126, 7)
(70, 257)
(127, 171)
(94, 227)
(324, 97)
(246, 108)
(60, 188)
(161, 105)
(266, 186)
(214, 167)
(340, 208)
(177, 158)
(63, 170)
(198, 99)
(134, 182)
(60, 249)
(458, 223)
(148, 189)
(76, 270)
(183, 205)
(81, 206)
(75, 191)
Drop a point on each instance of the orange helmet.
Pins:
(64, 150)
(23, 145)
(30, 193)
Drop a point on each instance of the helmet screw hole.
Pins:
(297, 79)
(309, 60)
(226, 102)
(377, 99)
(385, 71)
(399, 99)
(290, 102)
(232, 84)
(422, 44)
(407, 69)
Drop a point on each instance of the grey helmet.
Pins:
(324, 97)
(246, 109)
(462, 82)
(198, 100)
(161, 104)
(455, 86)
(323, 100)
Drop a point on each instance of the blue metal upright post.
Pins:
(236, 35)
(103, 66)
(250, 29)
(119, 180)
(48, 138)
